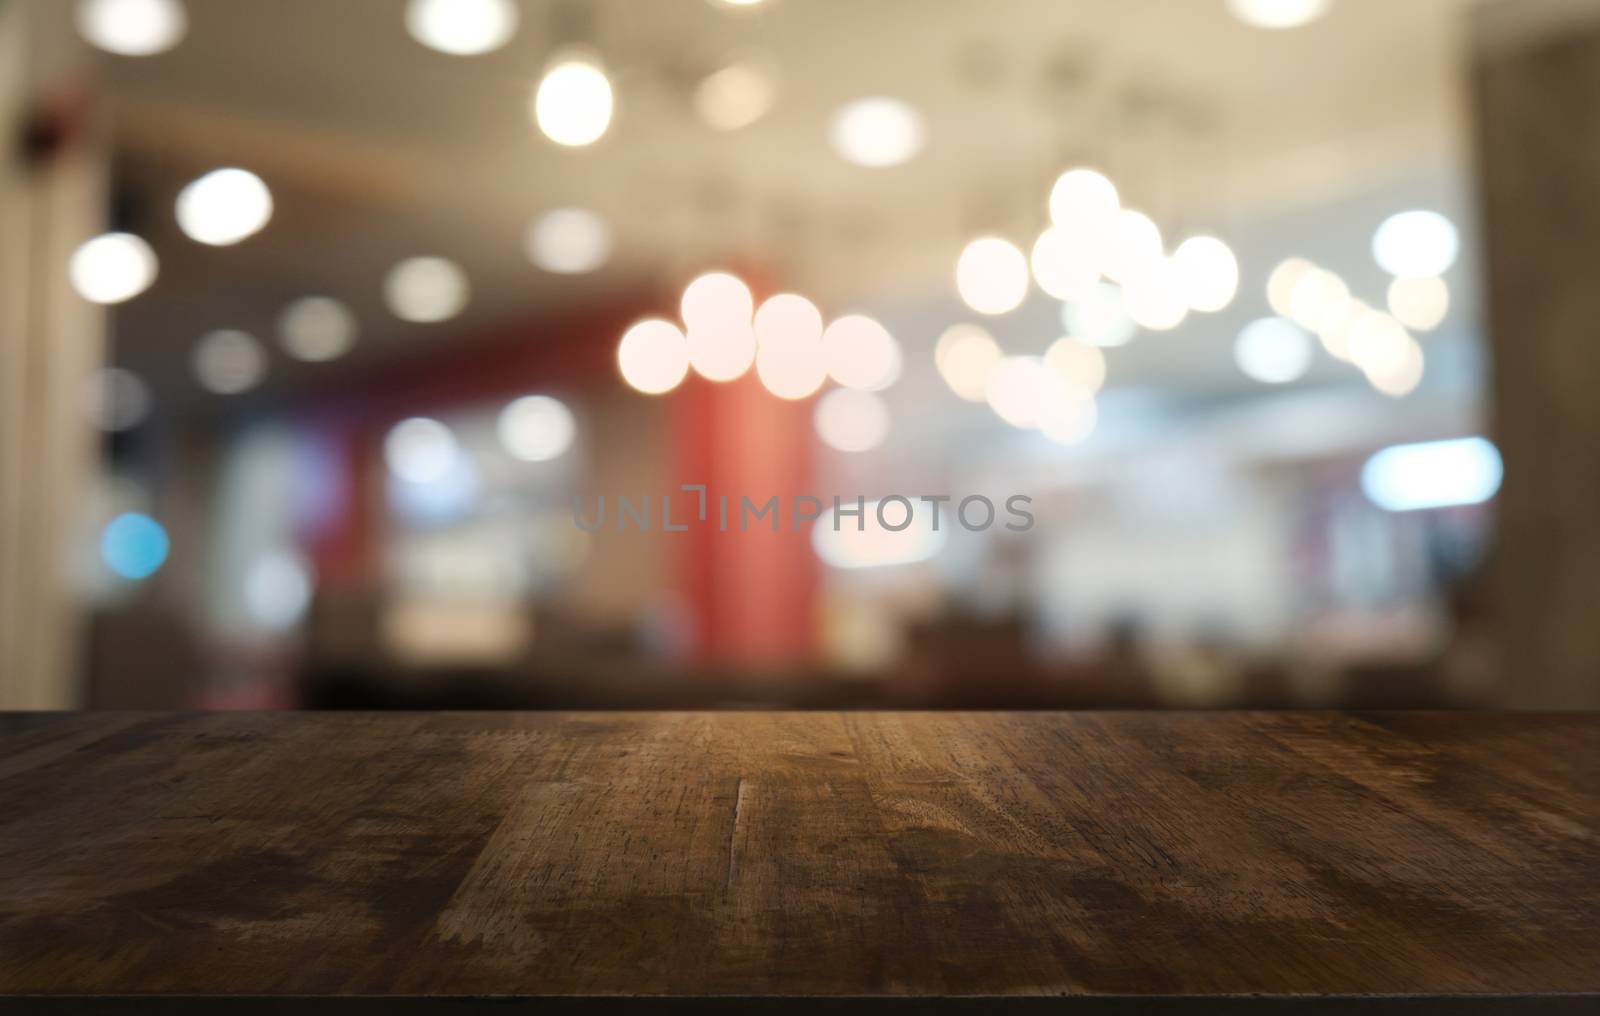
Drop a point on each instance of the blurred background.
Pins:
(407, 354)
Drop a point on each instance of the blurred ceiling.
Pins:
(377, 148)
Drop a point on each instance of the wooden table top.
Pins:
(1065, 855)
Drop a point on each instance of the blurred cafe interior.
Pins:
(799, 353)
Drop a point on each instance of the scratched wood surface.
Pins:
(800, 853)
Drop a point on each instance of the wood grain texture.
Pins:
(773, 854)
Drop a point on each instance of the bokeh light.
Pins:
(846, 542)
(1399, 379)
(1153, 296)
(964, 356)
(134, 546)
(1083, 198)
(111, 268)
(851, 421)
(426, 290)
(316, 329)
(1070, 417)
(573, 102)
(716, 310)
(1100, 317)
(462, 27)
(1419, 302)
(1208, 273)
(1279, 14)
(789, 358)
(876, 132)
(132, 27)
(1433, 474)
(736, 96)
(569, 241)
(115, 399)
(224, 207)
(420, 450)
(1286, 275)
(653, 356)
(860, 353)
(992, 275)
(536, 428)
(1416, 243)
(1319, 298)
(1018, 390)
(228, 361)
(277, 589)
(1273, 351)
(1078, 364)
(1065, 266)
(1377, 343)
(1133, 244)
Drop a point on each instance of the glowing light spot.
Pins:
(860, 353)
(717, 309)
(1083, 197)
(536, 428)
(112, 268)
(134, 546)
(736, 96)
(1377, 343)
(1279, 14)
(851, 421)
(874, 542)
(420, 450)
(1134, 243)
(1433, 474)
(1419, 302)
(789, 356)
(1069, 418)
(1207, 272)
(462, 27)
(277, 589)
(1018, 390)
(1416, 243)
(653, 356)
(573, 102)
(1400, 379)
(1273, 351)
(228, 361)
(876, 132)
(1319, 298)
(992, 276)
(132, 27)
(1153, 296)
(317, 328)
(569, 241)
(965, 355)
(426, 290)
(1100, 317)
(1065, 267)
(1078, 364)
(224, 207)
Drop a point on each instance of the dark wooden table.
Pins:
(1078, 862)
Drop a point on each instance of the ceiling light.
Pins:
(736, 96)
(112, 267)
(426, 290)
(716, 311)
(569, 241)
(229, 361)
(1416, 243)
(1207, 272)
(653, 356)
(462, 27)
(573, 102)
(876, 132)
(316, 328)
(851, 421)
(1277, 14)
(992, 275)
(536, 428)
(1273, 351)
(132, 27)
(224, 207)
